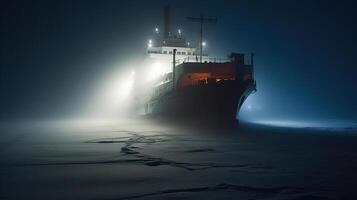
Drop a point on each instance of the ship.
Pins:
(194, 87)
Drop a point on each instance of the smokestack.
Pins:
(166, 21)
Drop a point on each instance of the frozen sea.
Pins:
(137, 159)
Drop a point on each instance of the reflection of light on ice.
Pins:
(307, 124)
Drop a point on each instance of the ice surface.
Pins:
(136, 159)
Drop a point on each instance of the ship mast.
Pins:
(173, 68)
(202, 20)
(166, 21)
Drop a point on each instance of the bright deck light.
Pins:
(203, 43)
(155, 70)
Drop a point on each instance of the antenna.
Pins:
(202, 20)
(166, 21)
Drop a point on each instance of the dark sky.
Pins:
(54, 53)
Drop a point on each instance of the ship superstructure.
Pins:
(194, 86)
(160, 47)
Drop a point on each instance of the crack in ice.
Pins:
(223, 186)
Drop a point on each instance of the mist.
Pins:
(68, 59)
(75, 77)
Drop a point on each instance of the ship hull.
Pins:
(211, 104)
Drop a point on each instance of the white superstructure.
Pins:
(160, 51)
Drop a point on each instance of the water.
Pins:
(136, 159)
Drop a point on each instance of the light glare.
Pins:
(156, 70)
(126, 86)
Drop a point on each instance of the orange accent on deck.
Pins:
(193, 79)
(212, 73)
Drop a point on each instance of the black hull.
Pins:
(210, 104)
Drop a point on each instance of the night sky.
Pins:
(55, 53)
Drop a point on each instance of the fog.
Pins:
(79, 59)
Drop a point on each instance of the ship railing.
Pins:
(154, 52)
(205, 59)
(162, 89)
